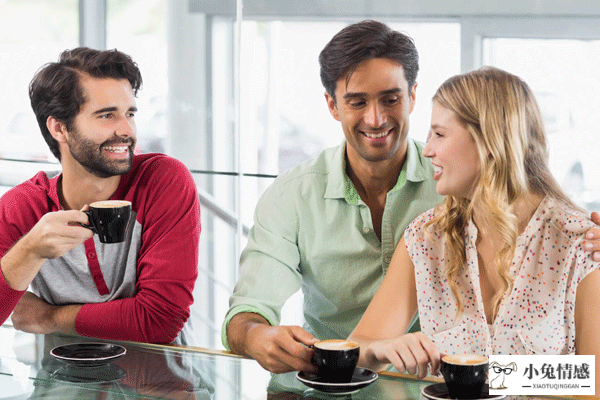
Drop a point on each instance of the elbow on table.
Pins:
(159, 318)
(132, 319)
(166, 330)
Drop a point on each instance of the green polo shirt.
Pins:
(313, 231)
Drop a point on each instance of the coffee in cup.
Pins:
(465, 375)
(109, 219)
(336, 360)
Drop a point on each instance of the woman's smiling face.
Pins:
(453, 153)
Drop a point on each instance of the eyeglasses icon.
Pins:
(500, 370)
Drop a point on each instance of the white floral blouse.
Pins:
(536, 317)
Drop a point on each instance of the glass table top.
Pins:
(28, 371)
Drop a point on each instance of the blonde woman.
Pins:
(499, 267)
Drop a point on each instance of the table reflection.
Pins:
(28, 371)
(66, 373)
(143, 372)
(286, 386)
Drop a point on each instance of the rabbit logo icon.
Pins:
(501, 371)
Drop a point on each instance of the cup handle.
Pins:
(90, 226)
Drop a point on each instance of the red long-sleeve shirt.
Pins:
(9, 298)
(140, 290)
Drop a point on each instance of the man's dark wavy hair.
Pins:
(56, 89)
(361, 42)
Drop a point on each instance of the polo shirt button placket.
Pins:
(366, 229)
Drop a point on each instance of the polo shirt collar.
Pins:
(336, 180)
(415, 164)
(339, 185)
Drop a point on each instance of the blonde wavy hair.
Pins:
(500, 112)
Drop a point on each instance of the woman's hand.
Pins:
(411, 353)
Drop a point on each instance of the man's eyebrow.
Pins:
(352, 95)
(111, 109)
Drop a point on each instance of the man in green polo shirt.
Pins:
(330, 225)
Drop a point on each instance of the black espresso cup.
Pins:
(109, 219)
(336, 360)
(465, 375)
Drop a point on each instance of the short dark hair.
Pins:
(361, 42)
(56, 89)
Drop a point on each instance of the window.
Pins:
(558, 58)
(563, 75)
(138, 28)
(51, 27)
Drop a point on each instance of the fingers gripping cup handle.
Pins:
(90, 226)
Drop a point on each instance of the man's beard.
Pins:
(89, 155)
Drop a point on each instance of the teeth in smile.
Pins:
(376, 135)
(116, 149)
(437, 169)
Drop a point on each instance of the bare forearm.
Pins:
(412, 353)
(20, 265)
(363, 360)
(51, 237)
(238, 329)
(64, 318)
(276, 348)
(34, 315)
